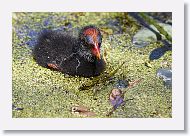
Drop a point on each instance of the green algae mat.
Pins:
(38, 92)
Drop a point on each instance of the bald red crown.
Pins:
(91, 32)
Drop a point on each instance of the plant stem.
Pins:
(158, 27)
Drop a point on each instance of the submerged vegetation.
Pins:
(41, 92)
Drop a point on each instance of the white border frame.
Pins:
(174, 123)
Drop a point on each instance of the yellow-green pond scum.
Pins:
(43, 93)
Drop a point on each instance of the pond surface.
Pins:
(41, 92)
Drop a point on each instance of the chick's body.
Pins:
(65, 53)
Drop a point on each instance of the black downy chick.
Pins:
(70, 55)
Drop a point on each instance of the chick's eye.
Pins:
(99, 45)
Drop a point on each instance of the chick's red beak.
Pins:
(96, 51)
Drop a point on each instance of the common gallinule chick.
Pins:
(70, 55)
